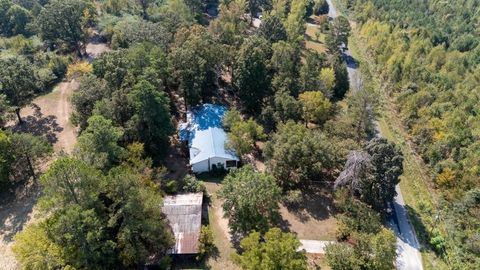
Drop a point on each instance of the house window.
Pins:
(231, 163)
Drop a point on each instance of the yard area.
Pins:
(220, 229)
(313, 219)
(47, 116)
(311, 40)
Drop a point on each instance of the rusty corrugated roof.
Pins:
(184, 213)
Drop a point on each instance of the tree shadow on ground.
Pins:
(284, 225)
(421, 231)
(176, 160)
(16, 205)
(317, 202)
(39, 125)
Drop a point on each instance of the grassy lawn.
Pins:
(416, 181)
(311, 41)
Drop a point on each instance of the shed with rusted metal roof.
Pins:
(184, 213)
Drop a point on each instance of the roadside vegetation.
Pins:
(429, 90)
(306, 140)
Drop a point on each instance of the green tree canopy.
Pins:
(286, 107)
(13, 19)
(27, 151)
(95, 221)
(151, 122)
(284, 62)
(243, 135)
(98, 143)
(276, 250)
(5, 110)
(387, 162)
(371, 251)
(91, 90)
(18, 82)
(63, 20)
(296, 155)
(230, 118)
(315, 106)
(272, 29)
(251, 200)
(341, 29)
(295, 22)
(193, 59)
(373, 175)
(310, 71)
(35, 250)
(251, 74)
(6, 158)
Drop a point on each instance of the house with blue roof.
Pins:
(206, 139)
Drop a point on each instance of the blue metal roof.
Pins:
(205, 134)
(202, 117)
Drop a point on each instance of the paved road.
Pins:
(409, 256)
(408, 249)
(314, 246)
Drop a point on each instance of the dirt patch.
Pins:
(317, 262)
(314, 218)
(96, 46)
(221, 231)
(49, 116)
(16, 211)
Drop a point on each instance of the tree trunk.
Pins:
(79, 50)
(17, 111)
(185, 104)
(30, 167)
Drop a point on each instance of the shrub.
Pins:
(437, 242)
(191, 184)
(206, 246)
(78, 69)
(292, 198)
(170, 186)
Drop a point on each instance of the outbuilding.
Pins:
(184, 214)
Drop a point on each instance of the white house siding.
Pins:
(201, 166)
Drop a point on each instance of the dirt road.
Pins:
(49, 116)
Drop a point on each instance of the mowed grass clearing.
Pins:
(311, 41)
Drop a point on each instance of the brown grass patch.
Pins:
(221, 231)
(314, 218)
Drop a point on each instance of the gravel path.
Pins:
(314, 246)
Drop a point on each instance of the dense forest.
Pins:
(290, 108)
(429, 51)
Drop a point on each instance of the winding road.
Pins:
(408, 248)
